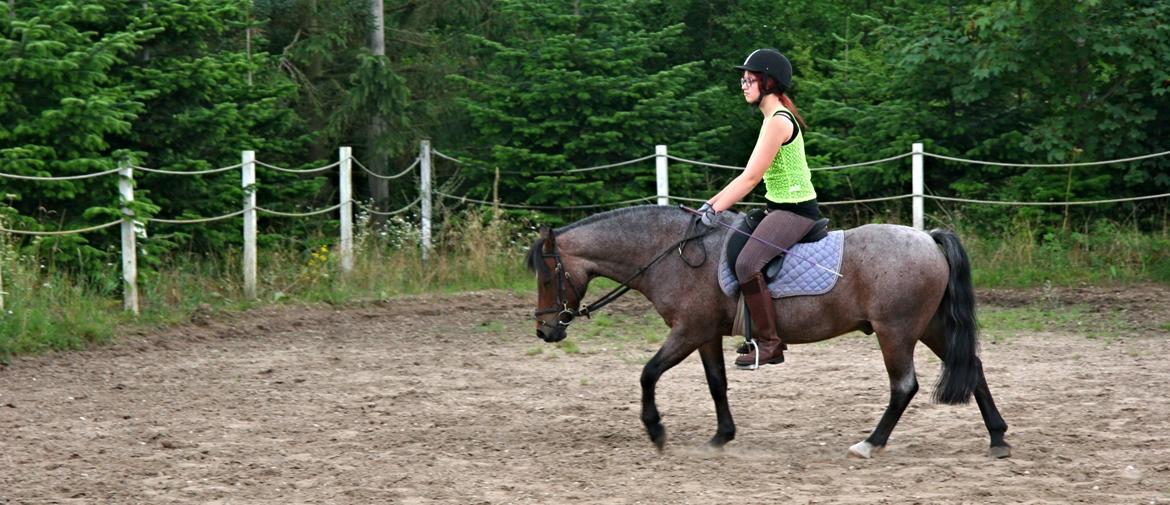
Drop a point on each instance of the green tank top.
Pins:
(788, 179)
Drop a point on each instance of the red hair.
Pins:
(788, 104)
(768, 86)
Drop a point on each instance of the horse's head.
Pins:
(558, 292)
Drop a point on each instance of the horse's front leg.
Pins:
(676, 348)
(712, 354)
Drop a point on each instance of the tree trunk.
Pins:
(375, 152)
(317, 149)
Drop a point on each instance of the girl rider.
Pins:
(777, 159)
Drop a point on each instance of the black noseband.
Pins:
(565, 314)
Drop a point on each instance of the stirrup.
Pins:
(751, 345)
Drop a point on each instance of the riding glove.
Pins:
(708, 215)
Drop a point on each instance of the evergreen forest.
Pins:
(524, 91)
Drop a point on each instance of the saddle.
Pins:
(748, 224)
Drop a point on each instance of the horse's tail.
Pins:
(960, 371)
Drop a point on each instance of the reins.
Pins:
(567, 314)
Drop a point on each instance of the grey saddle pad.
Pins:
(798, 277)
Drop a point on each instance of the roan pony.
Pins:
(900, 283)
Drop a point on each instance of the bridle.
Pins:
(566, 314)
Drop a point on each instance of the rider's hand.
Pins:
(708, 215)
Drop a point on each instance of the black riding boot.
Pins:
(763, 315)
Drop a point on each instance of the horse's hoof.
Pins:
(864, 450)
(720, 440)
(1000, 451)
(658, 436)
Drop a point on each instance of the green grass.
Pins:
(1099, 254)
(568, 346)
(48, 310)
(998, 324)
(495, 327)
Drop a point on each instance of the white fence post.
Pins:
(660, 170)
(3, 257)
(345, 194)
(916, 185)
(249, 184)
(425, 194)
(129, 244)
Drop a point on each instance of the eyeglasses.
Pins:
(745, 82)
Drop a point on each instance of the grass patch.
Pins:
(999, 323)
(48, 309)
(1101, 252)
(495, 327)
(633, 338)
(568, 346)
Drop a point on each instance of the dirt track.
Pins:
(451, 399)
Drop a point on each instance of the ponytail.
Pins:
(769, 86)
(788, 104)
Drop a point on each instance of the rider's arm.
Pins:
(777, 129)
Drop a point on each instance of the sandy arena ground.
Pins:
(452, 399)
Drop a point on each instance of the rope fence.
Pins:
(814, 169)
(198, 172)
(301, 214)
(296, 171)
(545, 207)
(133, 226)
(1049, 204)
(408, 206)
(198, 220)
(60, 232)
(407, 170)
(61, 178)
(1047, 165)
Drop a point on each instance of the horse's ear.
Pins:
(549, 238)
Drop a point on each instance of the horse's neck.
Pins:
(617, 249)
(610, 257)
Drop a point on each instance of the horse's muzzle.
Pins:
(550, 333)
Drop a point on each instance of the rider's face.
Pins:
(751, 91)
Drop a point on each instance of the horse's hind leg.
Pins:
(935, 339)
(713, 365)
(898, 354)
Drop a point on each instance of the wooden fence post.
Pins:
(249, 184)
(660, 174)
(916, 185)
(345, 194)
(129, 242)
(425, 194)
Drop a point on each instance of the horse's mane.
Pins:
(533, 257)
(609, 214)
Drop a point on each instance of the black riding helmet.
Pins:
(772, 64)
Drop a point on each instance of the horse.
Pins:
(903, 284)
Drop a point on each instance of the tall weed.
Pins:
(1100, 252)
